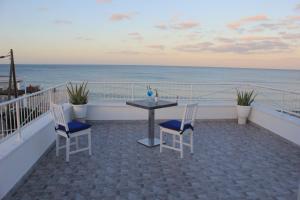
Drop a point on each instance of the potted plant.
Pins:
(78, 97)
(244, 101)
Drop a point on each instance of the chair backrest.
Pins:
(189, 115)
(58, 116)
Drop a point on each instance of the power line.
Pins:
(8, 55)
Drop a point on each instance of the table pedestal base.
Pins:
(149, 143)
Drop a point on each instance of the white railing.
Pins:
(19, 113)
(203, 93)
(284, 101)
(107, 92)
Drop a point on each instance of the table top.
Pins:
(151, 105)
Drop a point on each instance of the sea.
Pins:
(47, 75)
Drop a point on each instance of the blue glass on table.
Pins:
(149, 93)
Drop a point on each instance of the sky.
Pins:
(232, 33)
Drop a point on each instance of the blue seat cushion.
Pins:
(175, 125)
(74, 126)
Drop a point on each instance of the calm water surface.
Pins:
(49, 75)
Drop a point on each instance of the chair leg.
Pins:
(174, 138)
(90, 143)
(192, 141)
(57, 144)
(181, 146)
(67, 149)
(160, 141)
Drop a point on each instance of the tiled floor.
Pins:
(230, 162)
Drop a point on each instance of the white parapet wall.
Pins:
(125, 112)
(282, 124)
(17, 157)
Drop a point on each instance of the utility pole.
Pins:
(12, 75)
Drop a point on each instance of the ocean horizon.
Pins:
(158, 65)
(47, 75)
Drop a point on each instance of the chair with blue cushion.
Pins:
(69, 130)
(178, 128)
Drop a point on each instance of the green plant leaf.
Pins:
(245, 98)
(79, 94)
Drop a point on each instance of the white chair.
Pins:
(69, 130)
(177, 129)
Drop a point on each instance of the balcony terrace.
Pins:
(260, 160)
(229, 162)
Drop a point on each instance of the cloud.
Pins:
(271, 26)
(264, 46)
(176, 24)
(287, 23)
(161, 26)
(236, 25)
(280, 25)
(156, 46)
(135, 53)
(203, 46)
(293, 18)
(291, 36)
(136, 36)
(125, 52)
(62, 22)
(225, 40)
(193, 36)
(84, 38)
(258, 38)
(185, 25)
(256, 30)
(284, 25)
(254, 47)
(248, 38)
(297, 7)
(103, 1)
(121, 16)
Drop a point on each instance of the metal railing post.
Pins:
(25, 89)
(132, 92)
(67, 98)
(282, 104)
(18, 121)
(50, 97)
(191, 92)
